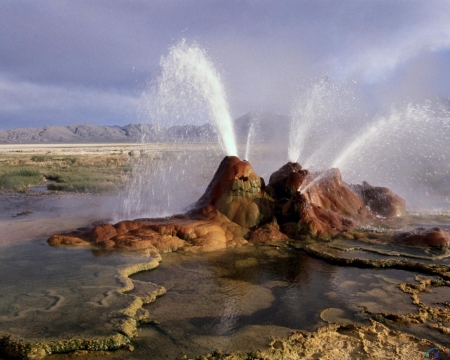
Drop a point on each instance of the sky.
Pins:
(75, 62)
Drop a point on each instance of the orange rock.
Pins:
(267, 233)
(70, 240)
(237, 200)
(103, 232)
(125, 226)
(236, 191)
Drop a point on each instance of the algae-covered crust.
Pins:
(334, 256)
(87, 307)
(340, 341)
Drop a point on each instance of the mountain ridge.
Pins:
(88, 133)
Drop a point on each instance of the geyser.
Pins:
(317, 117)
(250, 139)
(406, 149)
(190, 90)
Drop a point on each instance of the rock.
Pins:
(266, 233)
(380, 200)
(165, 235)
(435, 237)
(330, 192)
(67, 239)
(102, 233)
(284, 171)
(286, 181)
(125, 226)
(237, 206)
(325, 207)
(236, 192)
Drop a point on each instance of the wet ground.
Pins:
(233, 300)
(37, 213)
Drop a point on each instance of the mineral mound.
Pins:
(238, 207)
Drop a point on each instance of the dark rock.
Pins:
(324, 207)
(435, 237)
(380, 200)
(267, 233)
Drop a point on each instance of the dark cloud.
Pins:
(88, 61)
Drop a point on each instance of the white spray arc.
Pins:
(190, 90)
(250, 139)
(317, 118)
(407, 147)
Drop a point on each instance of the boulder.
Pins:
(73, 239)
(102, 233)
(328, 191)
(287, 180)
(313, 204)
(435, 237)
(380, 200)
(267, 233)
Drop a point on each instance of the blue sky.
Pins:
(67, 62)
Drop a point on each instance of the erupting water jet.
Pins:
(190, 89)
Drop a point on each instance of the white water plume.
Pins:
(311, 180)
(317, 118)
(190, 90)
(165, 181)
(250, 139)
(406, 150)
(171, 173)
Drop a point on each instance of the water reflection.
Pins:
(231, 299)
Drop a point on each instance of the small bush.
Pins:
(55, 177)
(39, 158)
(70, 160)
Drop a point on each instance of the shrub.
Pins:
(39, 158)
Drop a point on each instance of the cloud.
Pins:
(378, 54)
(264, 50)
(21, 102)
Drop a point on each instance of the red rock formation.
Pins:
(237, 207)
(267, 233)
(325, 207)
(236, 191)
(380, 200)
(286, 181)
(328, 191)
(435, 237)
(284, 171)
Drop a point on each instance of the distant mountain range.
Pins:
(267, 125)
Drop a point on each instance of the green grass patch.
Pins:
(83, 187)
(83, 173)
(20, 179)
